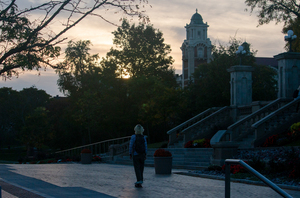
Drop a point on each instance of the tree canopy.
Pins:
(274, 10)
(16, 107)
(99, 94)
(29, 37)
(286, 11)
(140, 51)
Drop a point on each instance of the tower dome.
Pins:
(196, 18)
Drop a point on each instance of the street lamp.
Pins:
(290, 37)
(240, 52)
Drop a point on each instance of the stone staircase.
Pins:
(249, 131)
(204, 125)
(192, 158)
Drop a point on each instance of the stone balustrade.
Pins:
(173, 133)
(276, 122)
(208, 126)
(242, 128)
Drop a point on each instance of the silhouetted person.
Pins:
(138, 152)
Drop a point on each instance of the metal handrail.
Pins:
(95, 144)
(228, 162)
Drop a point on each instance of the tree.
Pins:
(10, 116)
(82, 83)
(140, 51)
(38, 131)
(293, 24)
(31, 42)
(80, 67)
(15, 107)
(286, 11)
(274, 10)
(32, 98)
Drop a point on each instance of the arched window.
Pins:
(200, 52)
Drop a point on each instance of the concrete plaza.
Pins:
(109, 180)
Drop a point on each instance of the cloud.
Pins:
(45, 80)
(226, 18)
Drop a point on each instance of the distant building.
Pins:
(196, 48)
(271, 62)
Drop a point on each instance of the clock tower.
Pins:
(196, 48)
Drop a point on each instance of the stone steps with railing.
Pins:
(184, 158)
(273, 118)
(176, 135)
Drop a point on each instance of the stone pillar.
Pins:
(240, 85)
(288, 73)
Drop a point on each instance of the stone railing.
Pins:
(276, 122)
(206, 127)
(173, 133)
(242, 128)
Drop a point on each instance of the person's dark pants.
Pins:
(138, 163)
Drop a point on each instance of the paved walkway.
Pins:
(108, 181)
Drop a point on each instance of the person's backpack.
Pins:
(295, 94)
(139, 144)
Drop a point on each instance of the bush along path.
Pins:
(280, 165)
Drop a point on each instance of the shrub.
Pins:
(199, 143)
(257, 164)
(270, 141)
(86, 151)
(162, 153)
(97, 158)
(189, 144)
(235, 168)
(289, 136)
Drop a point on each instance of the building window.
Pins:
(186, 75)
(200, 52)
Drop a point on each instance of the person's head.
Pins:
(139, 129)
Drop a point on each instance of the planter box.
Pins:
(86, 158)
(163, 165)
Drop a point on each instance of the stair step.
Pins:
(182, 158)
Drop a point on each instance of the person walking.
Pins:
(138, 153)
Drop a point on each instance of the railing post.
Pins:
(227, 180)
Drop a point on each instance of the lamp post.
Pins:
(240, 52)
(290, 37)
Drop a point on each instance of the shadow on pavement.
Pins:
(23, 186)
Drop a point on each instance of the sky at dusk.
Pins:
(226, 19)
